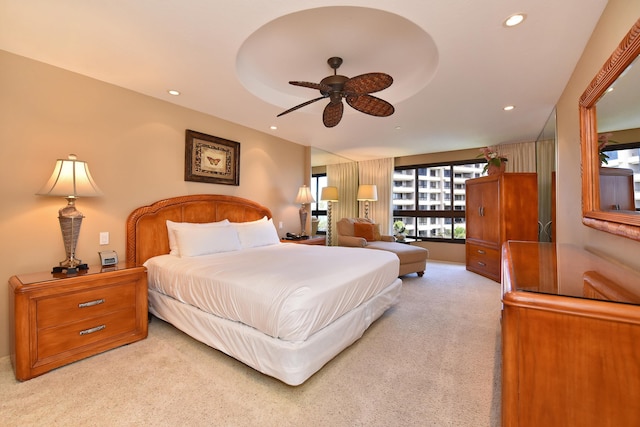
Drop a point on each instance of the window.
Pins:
(430, 199)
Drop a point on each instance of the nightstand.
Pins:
(58, 319)
(319, 240)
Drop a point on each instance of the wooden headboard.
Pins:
(147, 230)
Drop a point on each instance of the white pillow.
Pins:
(172, 226)
(263, 219)
(196, 241)
(257, 233)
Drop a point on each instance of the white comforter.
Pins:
(287, 291)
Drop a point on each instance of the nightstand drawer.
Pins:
(55, 340)
(57, 310)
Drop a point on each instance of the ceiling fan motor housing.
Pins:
(336, 82)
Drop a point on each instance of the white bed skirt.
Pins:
(290, 362)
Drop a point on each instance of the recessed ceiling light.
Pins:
(509, 107)
(173, 92)
(398, 127)
(514, 19)
(274, 127)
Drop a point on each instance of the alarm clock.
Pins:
(108, 258)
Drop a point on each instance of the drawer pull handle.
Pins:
(92, 330)
(481, 252)
(482, 264)
(91, 303)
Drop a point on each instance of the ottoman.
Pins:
(413, 259)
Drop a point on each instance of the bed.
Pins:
(226, 280)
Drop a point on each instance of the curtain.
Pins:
(546, 152)
(521, 155)
(380, 173)
(344, 176)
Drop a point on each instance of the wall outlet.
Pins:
(104, 237)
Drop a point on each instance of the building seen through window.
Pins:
(429, 200)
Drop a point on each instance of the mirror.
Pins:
(546, 171)
(321, 158)
(624, 223)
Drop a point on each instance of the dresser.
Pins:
(570, 338)
(58, 319)
(498, 208)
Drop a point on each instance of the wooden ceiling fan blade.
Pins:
(304, 104)
(319, 86)
(369, 104)
(332, 114)
(368, 83)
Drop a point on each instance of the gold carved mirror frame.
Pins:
(626, 224)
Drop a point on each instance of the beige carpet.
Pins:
(432, 360)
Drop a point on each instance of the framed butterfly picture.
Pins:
(211, 159)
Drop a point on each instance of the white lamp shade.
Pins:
(367, 192)
(70, 178)
(329, 194)
(304, 196)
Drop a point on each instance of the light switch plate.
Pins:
(104, 237)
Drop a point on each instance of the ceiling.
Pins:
(455, 65)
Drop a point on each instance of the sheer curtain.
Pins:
(380, 173)
(546, 165)
(344, 176)
(521, 155)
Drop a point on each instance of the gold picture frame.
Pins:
(211, 159)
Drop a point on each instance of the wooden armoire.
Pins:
(498, 208)
(616, 189)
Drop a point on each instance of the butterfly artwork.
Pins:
(213, 161)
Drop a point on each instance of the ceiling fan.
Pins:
(355, 90)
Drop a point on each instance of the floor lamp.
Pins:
(70, 179)
(304, 197)
(329, 195)
(367, 193)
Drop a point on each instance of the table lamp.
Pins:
(367, 193)
(70, 179)
(304, 197)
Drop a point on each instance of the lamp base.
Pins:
(70, 221)
(69, 270)
(303, 221)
